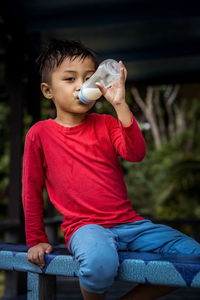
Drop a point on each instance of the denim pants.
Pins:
(95, 248)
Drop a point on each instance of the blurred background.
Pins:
(159, 42)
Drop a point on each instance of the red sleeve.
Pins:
(128, 141)
(32, 191)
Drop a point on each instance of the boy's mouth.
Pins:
(78, 100)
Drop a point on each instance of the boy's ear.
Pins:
(46, 90)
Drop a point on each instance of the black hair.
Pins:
(56, 51)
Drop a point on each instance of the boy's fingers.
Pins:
(30, 256)
(125, 73)
(36, 258)
(41, 259)
(36, 254)
(101, 87)
(33, 260)
(123, 70)
(49, 249)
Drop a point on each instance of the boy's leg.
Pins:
(147, 292)
(146, 236)
(161, 239)
(94, 247)
(91, 296)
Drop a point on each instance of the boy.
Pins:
(76, 156)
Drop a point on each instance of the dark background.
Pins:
(158, 40)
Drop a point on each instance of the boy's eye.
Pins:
(87, 78)
(70, 79)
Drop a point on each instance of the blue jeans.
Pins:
(95, 248)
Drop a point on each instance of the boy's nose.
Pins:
(79, 84)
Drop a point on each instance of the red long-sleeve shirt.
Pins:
(81, 170)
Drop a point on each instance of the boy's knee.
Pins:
(98, 274)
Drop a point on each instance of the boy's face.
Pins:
(66, 81)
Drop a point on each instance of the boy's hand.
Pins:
(116, 93)
(36, 253)
(116, 96)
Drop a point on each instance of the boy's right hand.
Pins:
(36, 253)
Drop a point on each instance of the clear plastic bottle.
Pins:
(107, 72)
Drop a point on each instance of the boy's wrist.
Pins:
(122, 105)
(124, 114)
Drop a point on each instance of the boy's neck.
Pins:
(70, 120)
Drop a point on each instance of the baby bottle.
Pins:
(107, 72)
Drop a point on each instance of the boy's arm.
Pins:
(33, 203)
(32, 191)
(128, 141)
(116, 96)
(125, 134)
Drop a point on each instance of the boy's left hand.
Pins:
(116, 93)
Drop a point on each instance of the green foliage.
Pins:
(176, 176)
(47, 109)
(166, 183)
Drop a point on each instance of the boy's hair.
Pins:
(56, 51)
